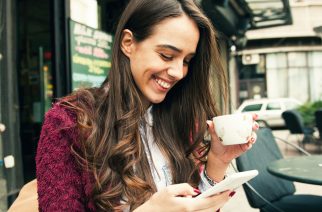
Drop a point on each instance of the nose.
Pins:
(176, 70)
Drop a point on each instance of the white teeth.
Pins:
(163, 83)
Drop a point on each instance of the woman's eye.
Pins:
(166, 57)
(186, 62)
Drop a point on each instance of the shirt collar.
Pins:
(148, 116)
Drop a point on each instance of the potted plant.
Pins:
(307, 111)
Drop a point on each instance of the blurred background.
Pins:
(271, 49)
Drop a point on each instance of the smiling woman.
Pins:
(136, 142)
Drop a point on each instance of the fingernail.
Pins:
(257, 125)
(196, 191)
(252, 139)
(232, 193)
(250, 145)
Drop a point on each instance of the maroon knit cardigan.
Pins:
(62, 184)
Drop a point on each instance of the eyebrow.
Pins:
(172, 48)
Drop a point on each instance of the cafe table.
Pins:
(304, 169)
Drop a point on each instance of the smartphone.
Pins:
(231, 182)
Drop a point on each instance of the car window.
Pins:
(254, 107)
(273, 106)
(290, 105)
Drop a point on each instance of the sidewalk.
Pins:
(239, 201)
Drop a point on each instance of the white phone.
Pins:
(231, 182)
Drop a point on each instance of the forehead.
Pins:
(181, 32)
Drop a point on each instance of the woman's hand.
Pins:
(179, 197)
(227, 153)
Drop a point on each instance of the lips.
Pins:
(163, 83)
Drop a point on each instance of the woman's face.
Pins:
(161, 60)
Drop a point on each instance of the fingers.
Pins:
(183, 189)
(255, 125)
(214, 202)
(211, 130)
(222, 198)
(252, 139)
(245, 147)
(177, 197)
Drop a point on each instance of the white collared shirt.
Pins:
(159, 166)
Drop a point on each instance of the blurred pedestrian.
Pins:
(136, 142)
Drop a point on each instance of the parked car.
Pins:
(269, 110)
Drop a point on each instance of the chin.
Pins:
(157, 100)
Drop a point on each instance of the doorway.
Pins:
(252, 89)
(35, 84)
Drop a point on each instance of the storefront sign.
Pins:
(90, 51)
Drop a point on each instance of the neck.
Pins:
(146, 103)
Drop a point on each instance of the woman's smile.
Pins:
(162, 83)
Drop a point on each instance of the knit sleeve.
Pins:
(60, 186)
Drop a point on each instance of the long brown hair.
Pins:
(109, 116)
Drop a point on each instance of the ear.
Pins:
(127, 42)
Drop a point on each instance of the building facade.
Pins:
(284, 61)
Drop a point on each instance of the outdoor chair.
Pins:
(267, 192)
(294, 123)
(318, 121)
(318, 124)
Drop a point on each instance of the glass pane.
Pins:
(273, 106)
(34, 75)
(276, 83)
(316, 84)
(277, 60)
(315, 59)
(255, 5)
(296, 59)
(254, 107)
(298, 84)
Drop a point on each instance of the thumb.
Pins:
(211, 128)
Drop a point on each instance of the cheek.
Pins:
(139, 63)
(136, 66)
(185, 71)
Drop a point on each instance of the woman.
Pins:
(136, 143)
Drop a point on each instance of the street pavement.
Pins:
(239, 201)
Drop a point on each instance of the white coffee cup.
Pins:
(234, 128)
